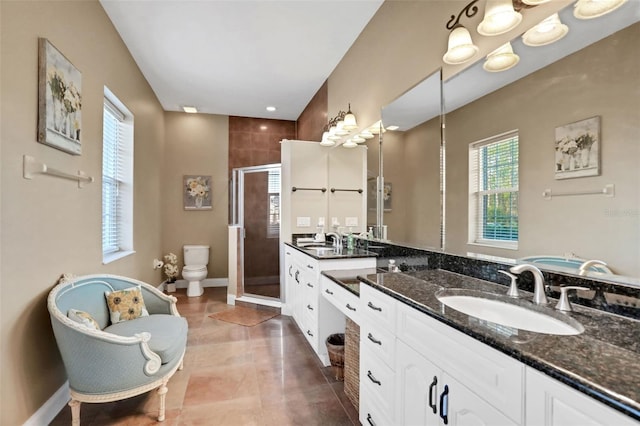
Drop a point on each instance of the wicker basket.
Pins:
(335, 347)
(352, 363)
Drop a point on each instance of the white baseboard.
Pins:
(231, 299)
(260, 301)
(207, 282)
(51, 408)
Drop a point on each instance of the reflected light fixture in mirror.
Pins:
(589, 9)
(349, 144)
(546, 32)
(535, 2)
(340, 130)
(499, 18)
(326, 141)
(366, 134)
(460, 47)
(501, 59)
(358, 139)
(377, 128)
(350, 120)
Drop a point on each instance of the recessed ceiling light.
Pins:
(190, 109)
(271, 108)
(263, 127)
(392, 127)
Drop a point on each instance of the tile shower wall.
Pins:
(313, 119)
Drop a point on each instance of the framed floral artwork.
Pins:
(197, 192)
(59, 100)
(577, 149)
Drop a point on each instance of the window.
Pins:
(273, 223)
(493, 191)
(117, 179)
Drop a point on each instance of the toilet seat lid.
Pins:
(195, 268)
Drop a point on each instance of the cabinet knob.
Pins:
(370, 420)
(432, 387)
(309, 307)
(309, 285)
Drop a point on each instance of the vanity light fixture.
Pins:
(589, 9)
(349, 144)
(332, 134)
(377, 128)
(366, 134)
(546, 32)
(499, 17)
(340, 129)
(326, 141)
(534, 2)
(350, 120)
(460, 48)
(501, 59)
(358, 139)
(190, 109)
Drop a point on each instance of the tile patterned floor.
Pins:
(235, 375)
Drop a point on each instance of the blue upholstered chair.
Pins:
(109, 362)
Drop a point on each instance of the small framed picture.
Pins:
(197, 192)
(59, 100)
(577, 149)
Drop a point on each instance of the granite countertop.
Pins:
(333, 254)
(602, 362)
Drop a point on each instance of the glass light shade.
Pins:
(460, 48)
(546, 32)
(535, 2)
(350, 120)
(326, 141)
(349, 144)
(501, 59)
(366, 134)
(358, 139)
(499, 18)
(332, 134)
(377, 128)
(589, 9)
(341, 131)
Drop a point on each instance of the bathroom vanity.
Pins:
(424, 363)
(315, 315)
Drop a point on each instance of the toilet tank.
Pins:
(196, 255)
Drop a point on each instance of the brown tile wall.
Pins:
(313, 119)
(256, 141)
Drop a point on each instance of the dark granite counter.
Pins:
(602, 362)
(333, 254)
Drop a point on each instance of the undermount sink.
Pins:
(321, 249)
(509, 312)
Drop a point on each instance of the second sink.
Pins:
(509, 312)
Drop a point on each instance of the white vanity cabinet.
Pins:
(345, 301)
(316, 317)
(551, 403)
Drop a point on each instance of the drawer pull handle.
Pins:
(309, 333)
(374, 307)
(289, 253)
(351, 308)
(297, 274)
(431, 388)
(328, 291)
(290, 266)
(372, 378)
(309, 266)
(444, 405)
(374, 340)
(309, 307)
(309, 285)
(370, 420)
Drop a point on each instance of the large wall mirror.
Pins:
(589, 78)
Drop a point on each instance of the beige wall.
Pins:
(600, 80)
(196, 144)
(49, 226)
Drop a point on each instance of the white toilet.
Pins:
(196, 259)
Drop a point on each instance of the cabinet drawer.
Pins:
(492, 375)
(378, 341)
(347, 302)
(378, 308)
(377, 381)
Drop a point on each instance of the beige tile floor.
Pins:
(235, 375)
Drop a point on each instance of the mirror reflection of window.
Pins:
(493, 191)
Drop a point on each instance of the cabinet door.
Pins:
(551, 403)
(458, 406)
(417, 388)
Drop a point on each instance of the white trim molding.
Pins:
(51, 407)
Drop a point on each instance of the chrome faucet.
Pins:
(539, 295)
(335, 238)
(584, 268)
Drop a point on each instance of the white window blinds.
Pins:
(493, 191)
(273, 224)
(117, 172)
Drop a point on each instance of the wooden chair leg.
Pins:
(75, 412)
(162, 392)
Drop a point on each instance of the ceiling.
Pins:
(236, 57)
